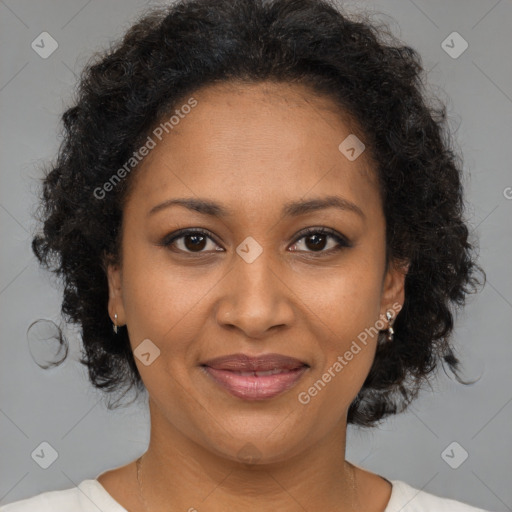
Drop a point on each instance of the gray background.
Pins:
(60, 407)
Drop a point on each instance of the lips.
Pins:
(263, 363)
(255, 378)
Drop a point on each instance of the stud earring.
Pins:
(115, 323)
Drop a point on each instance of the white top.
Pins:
(91, 496)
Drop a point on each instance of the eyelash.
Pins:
(342, 241)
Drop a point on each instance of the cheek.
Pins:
(345, 300)
(157, 305)
(343, 309)
(164, 302)
(344, 317)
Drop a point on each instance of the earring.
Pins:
(115, 323)
(391, 332)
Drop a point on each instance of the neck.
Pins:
(178, 472)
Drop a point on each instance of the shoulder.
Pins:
(406, 498)
(88, 496)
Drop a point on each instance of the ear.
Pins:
(393, 288)
(115, 291)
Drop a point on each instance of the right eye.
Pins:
(190, 241)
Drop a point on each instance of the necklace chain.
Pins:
(138, 463)
(139, 480)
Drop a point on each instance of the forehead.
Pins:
(255, 142)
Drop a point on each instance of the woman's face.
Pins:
(255, 284)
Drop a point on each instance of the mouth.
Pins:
(255, 378)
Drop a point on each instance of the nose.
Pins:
(255, 298)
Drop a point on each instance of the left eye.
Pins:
(315, 241)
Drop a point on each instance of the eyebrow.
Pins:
(290, 209)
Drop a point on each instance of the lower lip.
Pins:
(255, 387)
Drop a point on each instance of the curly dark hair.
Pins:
(172, 51)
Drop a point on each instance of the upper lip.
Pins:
(261, 363)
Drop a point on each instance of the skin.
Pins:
(252, 147)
